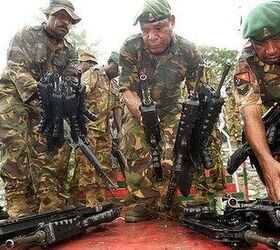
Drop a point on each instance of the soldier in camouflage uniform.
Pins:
(170, 62)
(87, 60)
(232, 117)
(257, 83)
(102, 98)
(24, 154)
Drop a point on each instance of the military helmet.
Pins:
(87, 56)
(153, 11)
(263, 22)
(57, 5)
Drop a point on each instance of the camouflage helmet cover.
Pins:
(57, 5)
(87, 56)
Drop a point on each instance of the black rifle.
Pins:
(211, 104)
(87, 151)
(150, 120)
(238, 225)
(118, 154)
(271, 121)
(49, 228)
(182, 162)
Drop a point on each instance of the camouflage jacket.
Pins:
(255, 82)
(30, 45)
(166, 73)
(102, 96)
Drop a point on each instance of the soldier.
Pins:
(170, 62)
(24, 150)
(87, 60)
(102, 98)
(257, 84)
(232, 117)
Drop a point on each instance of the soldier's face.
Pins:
(112, 69)
(59, 23)
(85, 66)
(157, 35)
(268, 51)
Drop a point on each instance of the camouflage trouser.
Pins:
(216, 179)
(138, 173)
(234, 129)
(85, 177)
(25, 154)
(14, 162)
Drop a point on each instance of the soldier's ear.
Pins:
(172, 20)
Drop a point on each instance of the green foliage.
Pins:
(215, 58)
(79, 39)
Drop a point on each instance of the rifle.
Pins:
(49, 228)
(182, 146)
(62, 100)
(271, 123)
(87, 151)
(238, 224)
(211, 104)
(118, 154)
(150, 120)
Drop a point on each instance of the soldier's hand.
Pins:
(271, 173)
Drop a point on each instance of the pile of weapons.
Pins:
(49, 228)
(238, 223)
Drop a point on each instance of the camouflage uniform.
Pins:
(25, 152)
(168, 76)
(232, 118)
(255, 82)
(101, 98)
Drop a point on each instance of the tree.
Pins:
(79, 39)
(215, 58)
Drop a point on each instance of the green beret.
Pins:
(115, 57)
(263, 22)
(153, 11)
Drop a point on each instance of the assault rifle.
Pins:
(63, 103)
(238, 224)
(150, 120)
(211, 104)
(50, 228)
(181, 151)
(198, 116)
(271, 121)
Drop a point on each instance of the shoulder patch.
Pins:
(242, 83)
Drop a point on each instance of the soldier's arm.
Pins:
(19, 64)
(247, 92)
(255, 134)
(129, 82)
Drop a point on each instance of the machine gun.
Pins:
(211, 104)
(238, 224)
(271, 123)
(150, 122)
(49, 228)
(181, 172)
